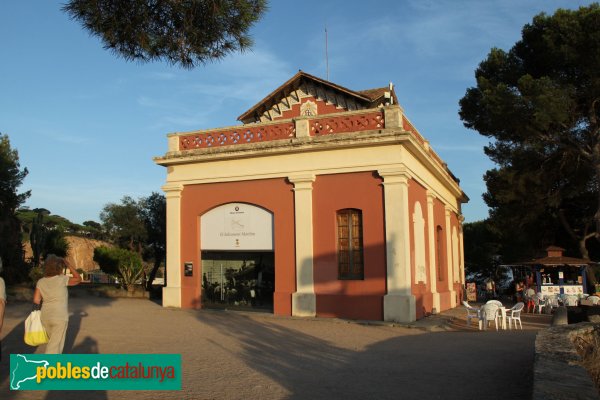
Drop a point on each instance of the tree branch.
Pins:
(590, 235)
(592, 113)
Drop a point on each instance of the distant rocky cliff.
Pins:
(81, 252)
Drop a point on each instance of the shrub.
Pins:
(123, 264)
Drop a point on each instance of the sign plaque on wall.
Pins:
(471, 291)
(188, 268)
(237, 226)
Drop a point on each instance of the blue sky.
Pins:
(86, 123)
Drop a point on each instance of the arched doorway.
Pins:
(238, 269)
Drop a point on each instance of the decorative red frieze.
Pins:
(241, 135)
(323, 108)
(350, 123)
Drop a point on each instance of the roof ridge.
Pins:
(298, 76)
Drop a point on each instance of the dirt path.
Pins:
(228, 355)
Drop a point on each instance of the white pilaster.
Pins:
(399, 303)
(449, 257)
(302, 127)
(392, 116)
(172, 292)
(432, 253)
(304, 303)
(461, 249)
(173, 141)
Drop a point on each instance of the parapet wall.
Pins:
(558, 373)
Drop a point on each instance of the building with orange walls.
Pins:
(324, 202)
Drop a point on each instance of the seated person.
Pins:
(529, 294)
(519, 288)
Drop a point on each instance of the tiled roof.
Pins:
(377, 95)
(557, 261)
(374, 94)
(367, 97)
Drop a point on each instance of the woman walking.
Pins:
(52, 296)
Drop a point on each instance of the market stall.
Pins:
(555, 274)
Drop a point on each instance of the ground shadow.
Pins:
(88, 346)
(12, 342)
(448, 365)
(75, 318)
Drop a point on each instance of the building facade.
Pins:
(324, 202)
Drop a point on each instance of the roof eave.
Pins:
(290, 82)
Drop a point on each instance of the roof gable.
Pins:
(324, 97)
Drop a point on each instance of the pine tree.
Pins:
(540, 104)
(185, 33)
(11, 177)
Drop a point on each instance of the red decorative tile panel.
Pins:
(241, 135)
(350, 123)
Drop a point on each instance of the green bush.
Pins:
(123, 264)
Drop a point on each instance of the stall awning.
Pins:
(556, 259)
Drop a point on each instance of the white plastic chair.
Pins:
(472, 312)
(496, 302)
(489, 312)
(552, 302)
(595, 300)
(538, 303)
(571, 300)
(515, 314)
(501, 311)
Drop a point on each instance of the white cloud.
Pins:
(80, 201)
(161, 76)
(64, 138)
(197, 99)
(245, 76)
(146, 101)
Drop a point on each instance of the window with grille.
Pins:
(350, 244)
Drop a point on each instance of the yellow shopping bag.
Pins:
(35, 334)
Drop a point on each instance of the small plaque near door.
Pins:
(188, 269)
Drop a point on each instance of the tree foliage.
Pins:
(37, 236)
(121, 263)
(124, 225)
(88, 229)
(153, 211)
(186, 33)
(11, 177)
(56, 243)
(140, 226)
(93, 230)
(46, 233)
(481, 248)
(540, 103)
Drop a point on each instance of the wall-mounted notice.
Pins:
(236, 226)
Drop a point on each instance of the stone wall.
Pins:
(558, 373)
